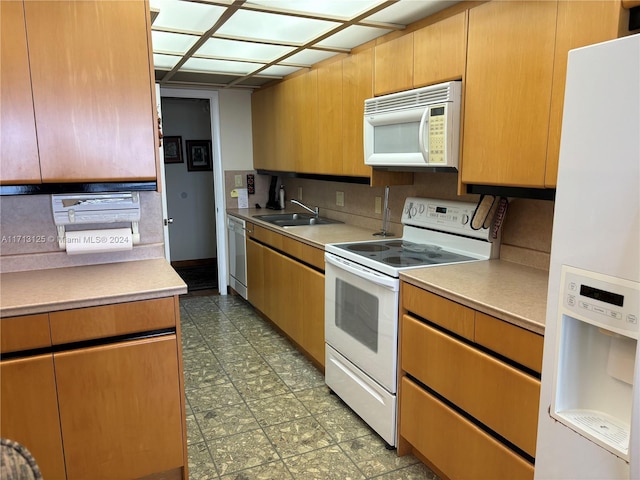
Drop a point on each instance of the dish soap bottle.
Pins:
(282, 197)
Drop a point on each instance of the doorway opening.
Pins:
(193, 188)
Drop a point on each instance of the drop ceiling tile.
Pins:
(308, 57)
(405, 12)
(248, 51)
(274, 27)
(219, 66)
(336, 8)
(185, 15)
(165, 61)
(353, 36)
(172, 42)
(278, 70)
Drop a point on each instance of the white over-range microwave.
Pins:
(414, 128)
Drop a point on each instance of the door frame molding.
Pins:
(218, 174)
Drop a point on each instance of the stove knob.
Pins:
(465, 218)
(421, 209)
(413, 211)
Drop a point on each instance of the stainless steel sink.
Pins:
(294, 219)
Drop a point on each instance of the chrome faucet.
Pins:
(315, 211)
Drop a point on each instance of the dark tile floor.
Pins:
(258, 409)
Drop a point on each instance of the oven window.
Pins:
(357, 314)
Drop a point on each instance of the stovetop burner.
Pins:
(403, 261)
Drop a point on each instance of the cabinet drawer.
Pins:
(450, 315)
(306, 253)
(513, 342)
(112, 320)
(24, 333)
(498, 395)
(266, 236)
(454, 445)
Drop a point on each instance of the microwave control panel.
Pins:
(437, 134)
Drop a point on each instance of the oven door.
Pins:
(361, 318)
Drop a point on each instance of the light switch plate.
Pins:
(238, 180)
(378, 208)
(340, 199)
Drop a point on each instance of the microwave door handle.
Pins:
(424, 149)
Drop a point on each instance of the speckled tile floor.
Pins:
(258, 409)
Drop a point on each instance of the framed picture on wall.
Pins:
(172, 149)
(199, 155)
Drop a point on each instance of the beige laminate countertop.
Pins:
(511, 292)
(39, 291)
(316, 235)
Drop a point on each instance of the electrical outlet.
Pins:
(238, 180)
(340, 199)
(378, 208)
(300, 193)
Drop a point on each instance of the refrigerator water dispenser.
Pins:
(596, 357)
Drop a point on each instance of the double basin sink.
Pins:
(294, 219)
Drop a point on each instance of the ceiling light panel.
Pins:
(332, 8)
(353, 36)
(278, 71)
(165, 62)
(405, 12)
(172, 42)
(274, 27)
(309, 57)
(184, 15)
(220, 66)
(216, 47)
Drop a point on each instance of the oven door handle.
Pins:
(365, 273)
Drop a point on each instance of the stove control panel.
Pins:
(443, 215)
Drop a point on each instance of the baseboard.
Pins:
(194, 263)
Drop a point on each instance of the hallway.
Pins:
(258, 409)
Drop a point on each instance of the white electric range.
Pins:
(361, 300)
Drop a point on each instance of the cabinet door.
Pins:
(580, 23)
(19, 163)
(312, 313)
(439, 51)
(263, 129)
(394, 65)
(120, 409)
(29, 411)
(255, 274)
(357, 86)
(330, 132)
(92, 90)
(508, 93)
(304, 89)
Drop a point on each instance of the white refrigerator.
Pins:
(589, 418)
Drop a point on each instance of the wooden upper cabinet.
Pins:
(439, 51)
(508, 92)
(393, 67)
(263, 128)
(19, 163)
(580, 23)
(92, 90)
(305, 123)
(330, 119)
(357, 86)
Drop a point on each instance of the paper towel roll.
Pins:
(98, 241)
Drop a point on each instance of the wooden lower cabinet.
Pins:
(286, 290)
(109, 408)
(454, 445)
(120, 409)
(29, 411)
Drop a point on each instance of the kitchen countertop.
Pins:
(511, 292)
(39, 291)
(316, 235)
